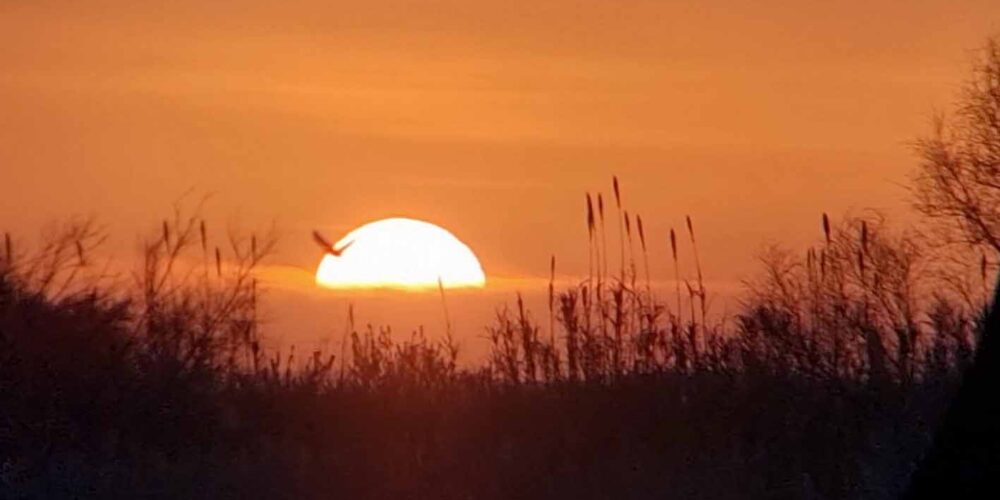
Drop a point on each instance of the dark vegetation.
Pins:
(828, 382)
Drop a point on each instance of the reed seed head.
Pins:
(204, 236)
(79, 252)
(590, 215)
(642, 234)
(864, 236)
(826, 227)
(552, 296)
(618, 196)
(218, 262)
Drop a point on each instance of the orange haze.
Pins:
(490, 119)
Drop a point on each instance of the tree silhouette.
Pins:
(958, 180)
(965, 457)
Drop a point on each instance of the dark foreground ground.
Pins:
(85, 412)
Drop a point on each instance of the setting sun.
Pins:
(400, 253)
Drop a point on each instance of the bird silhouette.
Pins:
(328, 247)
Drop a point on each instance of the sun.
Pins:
(400, 253)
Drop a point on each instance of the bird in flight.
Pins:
(328, 247)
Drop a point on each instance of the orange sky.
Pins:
(487, 118)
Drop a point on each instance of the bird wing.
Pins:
(321, 241)
(328, 247)
(338, 251)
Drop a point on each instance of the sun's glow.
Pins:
(400, 253)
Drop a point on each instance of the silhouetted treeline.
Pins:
(827, 383)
